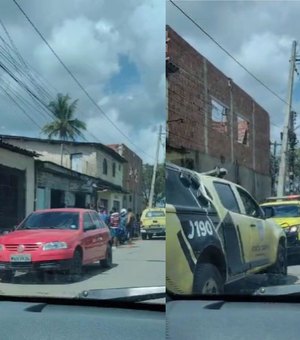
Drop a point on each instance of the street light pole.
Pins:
(284, 147)
(154, 170)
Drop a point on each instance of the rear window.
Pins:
(155, 214)
(51, 220)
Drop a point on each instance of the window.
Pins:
(104, 166)
(283, 210)
(87, 221)
(52, 220)
(219, 116)
(227, 196)
(76, 162)
(243, 131)
(97, 220)
(116, 204)
(155, 214)
(251, 207)
(114, 169)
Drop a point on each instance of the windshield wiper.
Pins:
(138, 294)
(279, 290)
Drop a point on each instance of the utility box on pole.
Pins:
(281, 188)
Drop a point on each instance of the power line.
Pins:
(76, 80)
(225, 51)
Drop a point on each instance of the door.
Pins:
(91, 239)
(259, 248)
(102, 234)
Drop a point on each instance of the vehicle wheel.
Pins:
(207, 280)
(150, 236)
(107, 262)
(278, 272)
(144, 236)
(7, 276)
(75, 271)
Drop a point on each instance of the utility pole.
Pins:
(154, 170)
(284, 147)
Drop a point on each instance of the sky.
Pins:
(259, 34)
(116, 49)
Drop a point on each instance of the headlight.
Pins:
(55, 245)
(293, 228)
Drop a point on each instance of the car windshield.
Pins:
(51, 220)
(82, 102)
(284, 210)
(155, 214)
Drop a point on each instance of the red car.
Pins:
(56, 240)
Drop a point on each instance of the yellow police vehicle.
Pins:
(216, 233)
(153, 223)
(285, 211)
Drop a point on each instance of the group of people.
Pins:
(121, 224)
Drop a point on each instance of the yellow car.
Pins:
(216, 234)
(153, 223)
(285, 211)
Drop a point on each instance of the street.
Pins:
(140, 264)
(251, 284)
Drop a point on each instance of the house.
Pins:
(99, 165)
(132, 177)
(212, 121)
(17, 183)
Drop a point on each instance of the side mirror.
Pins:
(185, 179)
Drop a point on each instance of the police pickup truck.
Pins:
(216, 233)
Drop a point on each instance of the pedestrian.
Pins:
(114, 225)
(103, 214)
(123, 222)
(130, 224)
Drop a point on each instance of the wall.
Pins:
(190, 91)
(132, 177)
(25, 163)
(91, 159)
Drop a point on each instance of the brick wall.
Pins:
(190, 91)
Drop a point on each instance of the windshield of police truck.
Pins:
(82, 94)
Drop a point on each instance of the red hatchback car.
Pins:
(56, 240)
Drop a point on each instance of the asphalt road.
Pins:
(140, 264)
(255, 282)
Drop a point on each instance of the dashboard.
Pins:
(62, 320)
(230, 320)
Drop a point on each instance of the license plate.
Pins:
(20, 258)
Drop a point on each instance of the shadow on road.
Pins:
(252, 283)
(89, 271)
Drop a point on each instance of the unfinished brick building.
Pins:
(213, 122)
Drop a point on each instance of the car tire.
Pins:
(278, 272)
(7, 276)
(144, 236)
(75, 272)
(207, 280)
(107, 262)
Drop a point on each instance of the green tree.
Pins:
(159, 189)
(65, 125)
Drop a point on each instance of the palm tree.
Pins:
(64, 126)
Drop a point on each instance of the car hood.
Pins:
(285, 222)
(40, 235)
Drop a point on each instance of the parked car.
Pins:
(153, 223)
(216, 234)
(60, 240)
(285, 211)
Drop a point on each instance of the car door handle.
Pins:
(252, 225)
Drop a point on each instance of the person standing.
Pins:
(130, 224)
(114, 225)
